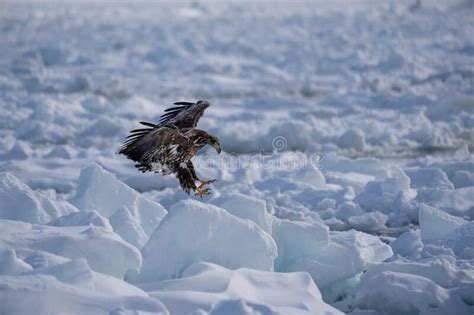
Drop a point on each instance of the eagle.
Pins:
(168, 146)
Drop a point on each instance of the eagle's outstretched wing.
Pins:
(161, 145)
(184, 115)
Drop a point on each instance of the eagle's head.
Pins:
(204, 104)
(213, 141)
(200, 138)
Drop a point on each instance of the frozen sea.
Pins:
(345, 185)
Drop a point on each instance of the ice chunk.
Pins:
(463, 178)
(311, 196)
(348, 209)
(10, 264)
(369, 222)
(435, 224)
(458, 202)
(246, 207)
(62, 152)
(380, 194)
(85, 217)
(461, 240)
(125, 225)
(100, 190)
(105, 251)
(20, 202)
(73, 288)
(19, 151)
(442, 270)
(76, 272)
(194, 231)
(408, 244)
(308, 175)
(347, 254)
(401, 293)
(216, 289)
(429, 178)
(465, 169)
(356, 180)
(54, 56)
(41, 259)
(296, 240)
(352, 139)
(277, 185)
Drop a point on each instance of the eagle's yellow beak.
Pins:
(217, 146)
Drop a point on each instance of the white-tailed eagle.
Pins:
(167, 147)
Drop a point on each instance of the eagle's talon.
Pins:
(202, 192)
(206, 182)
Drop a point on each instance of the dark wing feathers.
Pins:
(184, 115)
(147, 147)
(184, 103)
(174, 111)
(157, 142)
(133, 137)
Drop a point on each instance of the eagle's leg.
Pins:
(203, 183)
(202, 192)
(185, 177)
(206, 182)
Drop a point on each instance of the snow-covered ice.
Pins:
(219, 290)
(73, 287)
(20, 202)
(193, 231)
(434, 224)
(345, 185)
(99, 190)
(96, 244)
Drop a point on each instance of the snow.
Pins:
(408, 294)
(346, 255)
(73, 286)
(380, 194)
(84, 217)
(218, 290)
(100, 190)
(444, 271)
(11, 264)
(345, 183)
(129, 228)
(209, 231)
(20, 202)
(246, 207)
(74, 242)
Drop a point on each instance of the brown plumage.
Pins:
(167, 147)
